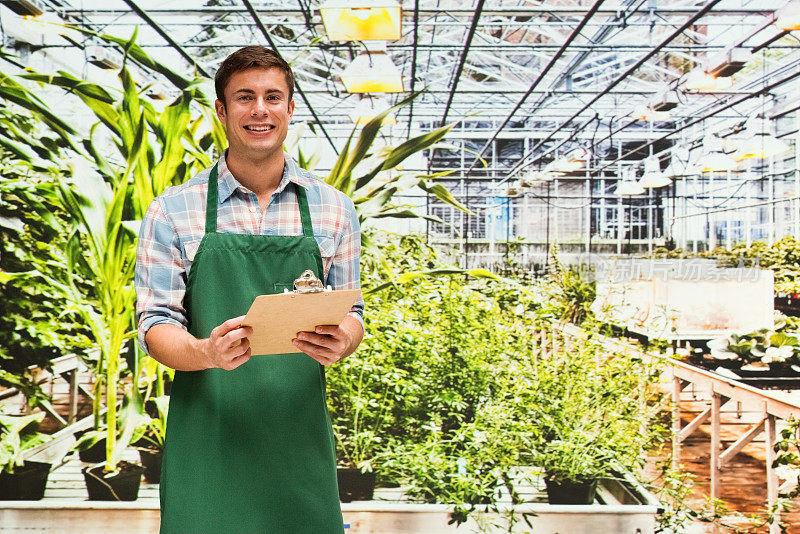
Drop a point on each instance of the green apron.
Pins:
(249, 450)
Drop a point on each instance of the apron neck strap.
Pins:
(305, 214)
(212, 201)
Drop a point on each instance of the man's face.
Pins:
(257, 113)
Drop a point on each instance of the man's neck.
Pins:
(261, 176)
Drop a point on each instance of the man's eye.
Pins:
(272, 97)
(245, 97)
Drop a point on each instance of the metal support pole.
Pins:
(710, 218)
(771, 212)
(772, 479)
(716, 443)
(748, 218)
(73, 396)
(677, 385)
(696, 233)
(650, 220)
(685, 242)
(796, 209)
(729, 216)
(620, 223)
(588, 246)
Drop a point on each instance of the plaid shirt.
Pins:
(175, 223)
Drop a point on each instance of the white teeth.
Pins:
(258, 128)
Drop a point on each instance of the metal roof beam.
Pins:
(633, 68)
(160, 31)
(462, 60)
(511, 11)
(539, 78)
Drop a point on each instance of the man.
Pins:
(249, 446)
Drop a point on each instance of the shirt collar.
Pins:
(227, 184)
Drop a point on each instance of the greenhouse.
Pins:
(400, 266)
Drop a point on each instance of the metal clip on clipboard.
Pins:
(308, 283)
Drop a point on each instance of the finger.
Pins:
(236, 349)
(230, 324)
(234, 336)
(327, 329)
(237, 361)
(319, 340)
(321, 354)
(242, 358)
(242, 348)
(323, 359)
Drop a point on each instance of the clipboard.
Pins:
(276, 319)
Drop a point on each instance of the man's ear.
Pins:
(291, 108)
(220, 107)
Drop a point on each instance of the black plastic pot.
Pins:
(355, 485)
(94, 454)
(569, 492)
(121, 486)
(151, 460)
(26, 483)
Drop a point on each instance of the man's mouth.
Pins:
(259, 128)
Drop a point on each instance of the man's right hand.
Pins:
(227, 347)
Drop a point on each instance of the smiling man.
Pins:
(249, 446)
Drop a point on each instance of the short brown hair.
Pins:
(251, 57)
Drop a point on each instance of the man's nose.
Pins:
(259, 107)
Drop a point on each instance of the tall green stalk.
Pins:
(105, 199)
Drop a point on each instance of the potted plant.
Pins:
(761, 353)
(103, 198)
(115, 479)
(590, 415)
(572, 467)
(357, 416)
(21, 479)
(149, 437)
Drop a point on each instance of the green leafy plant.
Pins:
(372, 178)
(17, 435)
(152, 431)
(37, 322)
(420, 360)
(566, 294)
(759, 348)
(587, 408)
(787, 461)
(372, 192)
(157, 149)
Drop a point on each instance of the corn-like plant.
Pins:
(373, 194)
(107, 197)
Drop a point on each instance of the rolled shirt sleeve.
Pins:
(160, 276)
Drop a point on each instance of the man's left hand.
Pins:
(330, 343)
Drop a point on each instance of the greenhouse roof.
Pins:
(567, 74)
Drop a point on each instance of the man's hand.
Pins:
(330, 343)
(227, 347)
